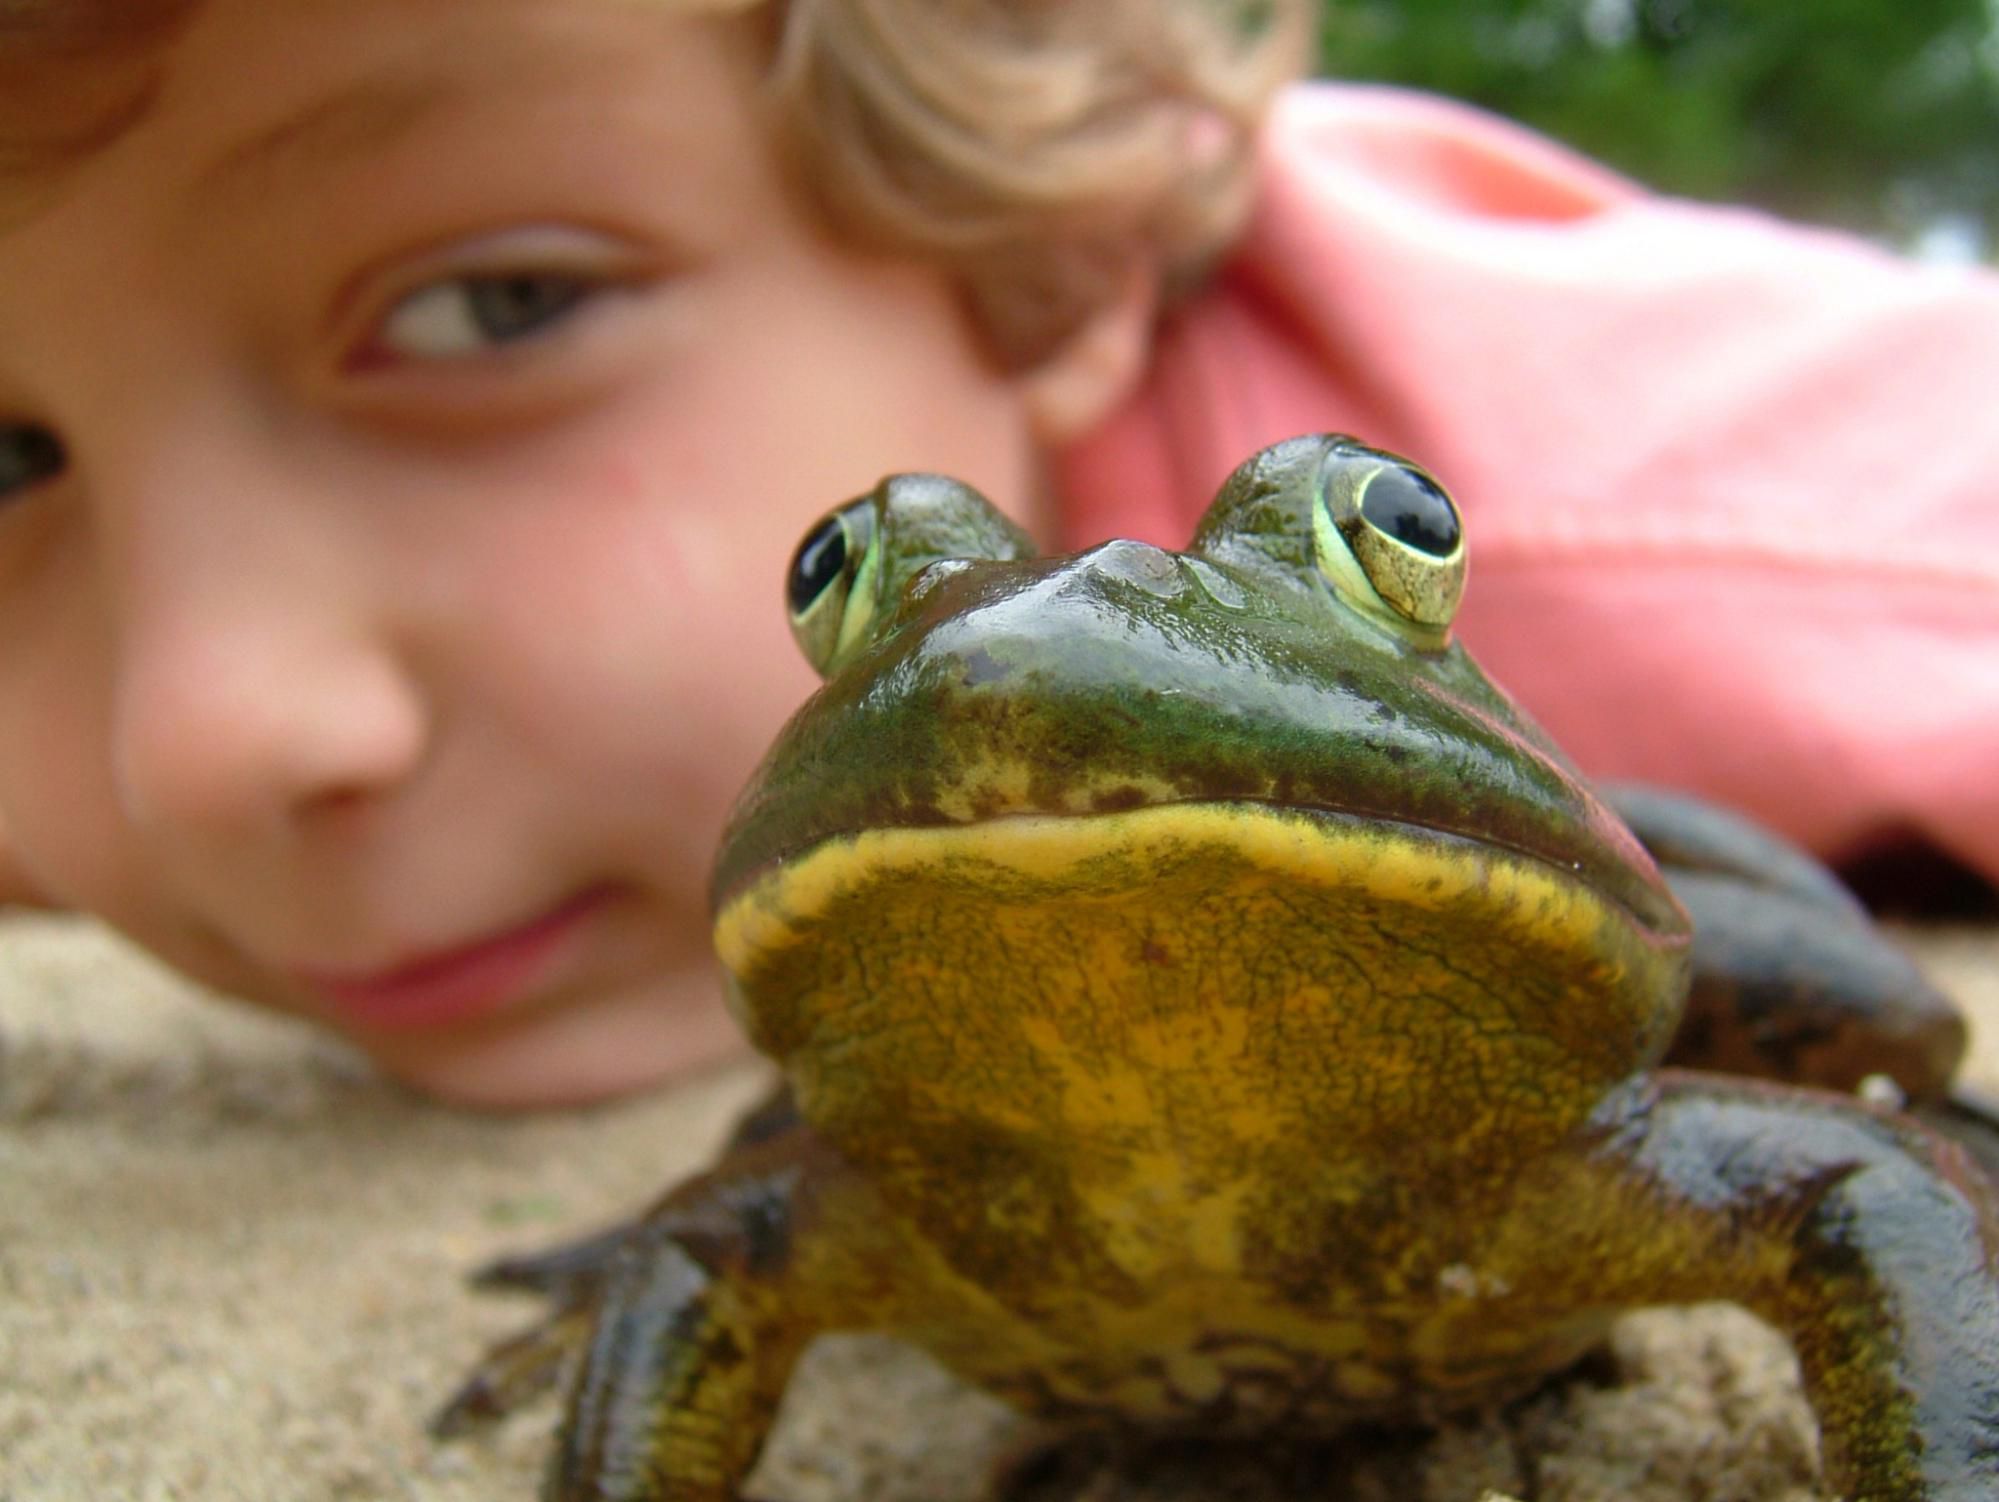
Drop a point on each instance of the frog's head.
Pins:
(1044, 801)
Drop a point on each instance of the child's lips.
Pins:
(458, 984)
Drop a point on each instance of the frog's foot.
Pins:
(1869, 1241)
(517, 1371)
(682, 1329)
(1791, 980)
(566, 1271)
(520, 1369)
(572, 1270)
(703, 1316)
(572, 1275)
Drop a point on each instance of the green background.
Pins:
(1882, 115)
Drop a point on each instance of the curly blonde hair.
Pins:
(1044, 151)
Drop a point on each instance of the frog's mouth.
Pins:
(1093, 833)
(1189, 906)
(1459, 775)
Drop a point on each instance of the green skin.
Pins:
(1209, 1004)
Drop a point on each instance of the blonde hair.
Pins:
(1044, 151)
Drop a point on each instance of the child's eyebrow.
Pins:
(346, 124)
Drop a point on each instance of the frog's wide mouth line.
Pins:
(1036, 856)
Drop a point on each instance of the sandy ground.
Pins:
(230, 1263)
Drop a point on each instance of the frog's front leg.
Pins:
(572, 1277)
(681, 1376)
(704, 1311)
(1791, 979)
(571, 1271)
(1870, 1242)
(683, 1327)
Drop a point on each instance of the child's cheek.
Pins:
(637, 624)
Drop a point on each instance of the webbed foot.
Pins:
(573, 1276)
(682, 1329)
(516, 1371)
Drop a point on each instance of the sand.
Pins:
(231, 1262)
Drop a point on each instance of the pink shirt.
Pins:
(1731, 485)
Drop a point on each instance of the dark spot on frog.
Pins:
(1220, 779)
(918, 812)
(1117, 800)
(1155, 953)
(982, 667)
(990, 805)
(724, 1351)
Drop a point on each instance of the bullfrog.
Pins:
(1207, 1004)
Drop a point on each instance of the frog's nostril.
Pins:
(1151, 569)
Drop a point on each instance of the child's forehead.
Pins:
(72, 86)
(97, 95)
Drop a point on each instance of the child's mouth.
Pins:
(459, 984)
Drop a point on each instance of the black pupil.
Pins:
(817, 563)
(1410, 508)
(508, 307)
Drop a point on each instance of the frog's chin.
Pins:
(995, 933)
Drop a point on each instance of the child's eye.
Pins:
(469, 314)
(28, 456)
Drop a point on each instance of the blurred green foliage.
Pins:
(1879, 114)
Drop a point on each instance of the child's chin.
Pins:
(578, 1056)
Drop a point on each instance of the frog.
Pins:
(1206, 1004)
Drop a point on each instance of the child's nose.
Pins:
(258, 678)
(240, 728)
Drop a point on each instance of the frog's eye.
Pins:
(1389, 541)
(831, 587)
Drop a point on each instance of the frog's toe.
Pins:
(575, 1270)
(516, 1371)
(569, 1271)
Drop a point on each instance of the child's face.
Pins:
(403, 429)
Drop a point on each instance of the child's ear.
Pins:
(1097, 367)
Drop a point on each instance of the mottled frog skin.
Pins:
(1208, 1004)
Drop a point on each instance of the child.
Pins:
(407, 406)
